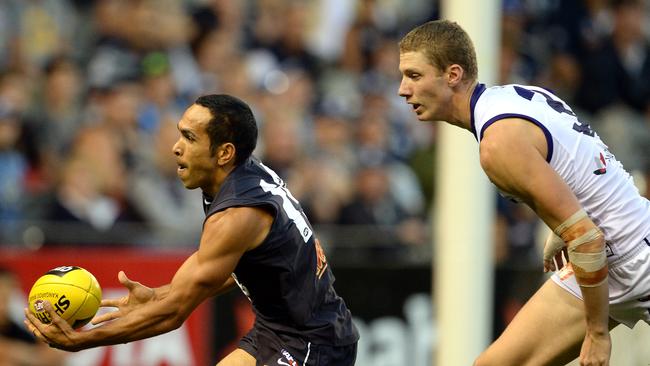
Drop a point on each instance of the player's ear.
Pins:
(455, 74)
(225, 153)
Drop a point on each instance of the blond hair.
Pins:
(444, 43)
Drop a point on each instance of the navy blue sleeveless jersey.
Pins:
(287, 277)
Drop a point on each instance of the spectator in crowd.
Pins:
(90, 198)
(38, 31)
(159, 196)
(160, 95)
(128, 30)
(281, 144)
(616, 72)
(13, 174)
(615, 86)
(377, 220)
(323, 191)
(117, 111)
(55, 116)
(374, 147)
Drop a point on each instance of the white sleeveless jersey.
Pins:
(599, 181)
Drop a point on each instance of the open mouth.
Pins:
(181, 167)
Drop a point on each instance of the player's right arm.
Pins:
(162, 291)
(513, 155)
(139, 294)
(226, 236)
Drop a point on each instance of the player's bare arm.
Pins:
(226, 236)
(513, 155)
(139, 294)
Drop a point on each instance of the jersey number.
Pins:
(288, 203)
(557, 106)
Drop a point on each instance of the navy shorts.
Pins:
(269, 350)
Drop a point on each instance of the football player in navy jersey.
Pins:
(536, 150)
(255, 236)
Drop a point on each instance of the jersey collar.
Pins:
(478, 90)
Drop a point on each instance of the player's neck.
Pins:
(220, 175)
(462, 113)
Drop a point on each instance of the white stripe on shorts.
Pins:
(307, 356)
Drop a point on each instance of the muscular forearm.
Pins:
(158, 318)
(161, 292)
(168, 310)
(227, 286)
(596, 300)
(586, 248)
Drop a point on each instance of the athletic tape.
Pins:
(589, 262)
(579, 215)
(585, 261)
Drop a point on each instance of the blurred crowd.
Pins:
(91, 91)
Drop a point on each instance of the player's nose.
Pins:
(404, 90)
(176, 149)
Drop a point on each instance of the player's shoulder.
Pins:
(506, 95)
(498, 103)
(500, 99)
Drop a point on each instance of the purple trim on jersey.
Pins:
(478, 90)
(547, 133)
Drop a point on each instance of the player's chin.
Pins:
(189, 184)
(183, 175)
(421, 113)
(423, 117)
(186, 182)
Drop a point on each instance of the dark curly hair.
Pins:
(232, 121)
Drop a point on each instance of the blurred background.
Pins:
(91, 91)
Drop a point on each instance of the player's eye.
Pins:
(188, 136)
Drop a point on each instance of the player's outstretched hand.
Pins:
(58, 333)
(138, 294)
(596, 350)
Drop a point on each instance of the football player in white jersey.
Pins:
(535, 149)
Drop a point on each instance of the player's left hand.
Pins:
(58, 333)
(138, 294)
(596, 350)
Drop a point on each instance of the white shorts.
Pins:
(629, 285)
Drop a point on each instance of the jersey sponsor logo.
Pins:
(601, 163)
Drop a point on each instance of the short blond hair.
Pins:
(444, 43)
